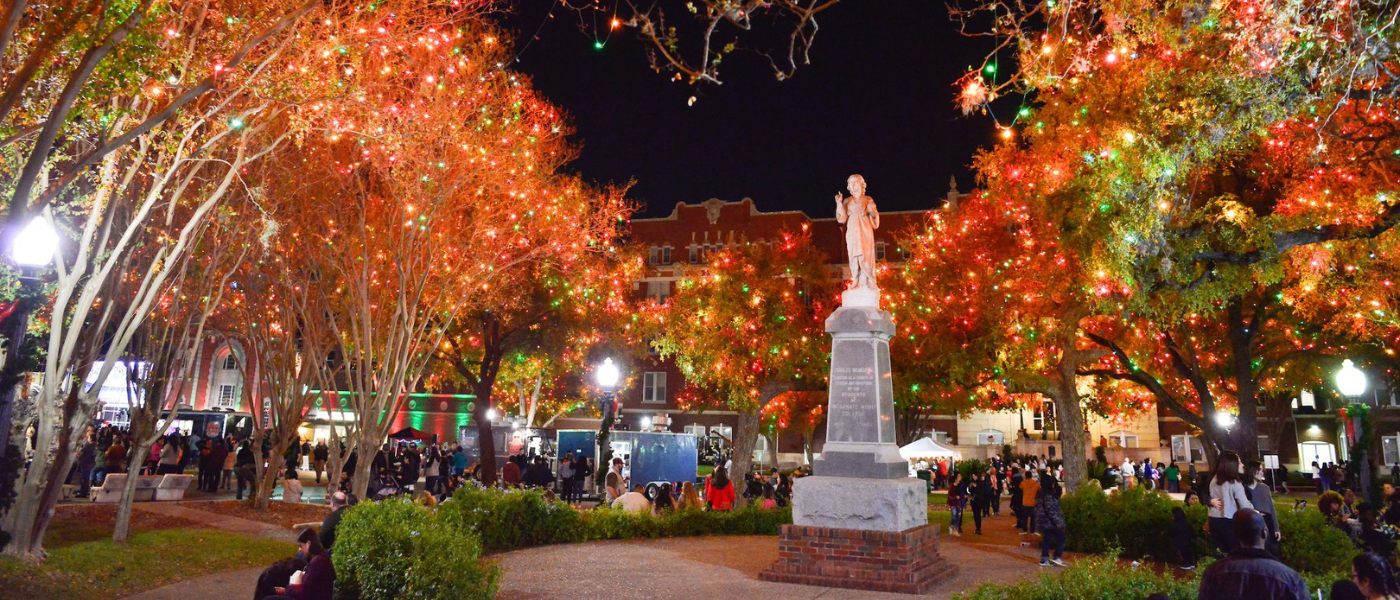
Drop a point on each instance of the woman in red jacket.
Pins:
(719, 490)
(318, 580)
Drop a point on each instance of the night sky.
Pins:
(876, 100)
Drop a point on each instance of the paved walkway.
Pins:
(712, 567)
(218, 586)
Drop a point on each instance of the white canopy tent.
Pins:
(926, 448)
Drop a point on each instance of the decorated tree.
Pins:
(989, 306)
(163, 355)
(794, 413)
(425, 193)
(281, 326)
(1226, 163)
(536, 335)
(747, 327)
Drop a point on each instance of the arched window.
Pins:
(225, 381)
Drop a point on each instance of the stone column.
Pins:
(860, 521)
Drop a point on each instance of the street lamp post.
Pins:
(34, 249)
(607, 375)
(1351, 382)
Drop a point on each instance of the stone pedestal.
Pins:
(860, 404)
(904, 561)
(864, 504)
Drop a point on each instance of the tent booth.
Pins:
(929, 450)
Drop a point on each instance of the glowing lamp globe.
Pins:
(607, 374)
(490, 414)
(36, 245)
(1351, 381)
(1224, 420)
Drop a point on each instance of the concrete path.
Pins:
(229, 584)
(713, 567)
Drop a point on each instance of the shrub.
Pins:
(509, 520)
(1310, 545)
(971, 467)
(399, 549)
(1092, 578)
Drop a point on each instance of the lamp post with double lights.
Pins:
(606, 375)
(31, 254)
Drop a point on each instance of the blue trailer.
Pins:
(649, 459)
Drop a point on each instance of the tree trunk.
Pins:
(1073, 440)
(486, 448)
(122, 532)
(745, 438)
(267, 476)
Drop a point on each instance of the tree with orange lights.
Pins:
(425, 193)
(747, 327)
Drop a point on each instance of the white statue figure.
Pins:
(861, 219)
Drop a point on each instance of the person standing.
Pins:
(87, 463)
(218, 456)
(1173, 476)
(1015, 485)
(978, 494)
(230, 459)
(169, 456)
(566, 477)
(1183, 538)
(1126, 473)
(614, 486)
(1051, 519)
(1262, 498)
(719, 490)
(957, 499)
(1227, 496)
(1249, 571)
(1029, 488)
(243, 466)
(582, 470)
(319, 455)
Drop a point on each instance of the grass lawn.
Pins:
(104, 569)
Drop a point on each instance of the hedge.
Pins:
(506, 520)
(1136, 521)
(1102, 577)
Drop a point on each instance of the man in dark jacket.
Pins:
(1015, 486)
(218, 452)
(1250, 571)
(338, 503)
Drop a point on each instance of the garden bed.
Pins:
(281, 514)
(76, 523)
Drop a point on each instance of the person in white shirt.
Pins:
(1126, 472)
(634, 501)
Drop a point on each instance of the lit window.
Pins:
(228, 396)
(654, 387)
(658, 290)
(230, 362)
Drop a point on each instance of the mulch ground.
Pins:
(76, 523)
(281, 514)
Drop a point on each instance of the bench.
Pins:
(111, 490)
(172, 487)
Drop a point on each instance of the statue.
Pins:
(861, 219)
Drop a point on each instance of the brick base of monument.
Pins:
(904, 561)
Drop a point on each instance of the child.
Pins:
(1184, 538)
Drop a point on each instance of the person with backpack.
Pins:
(1051, 520)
